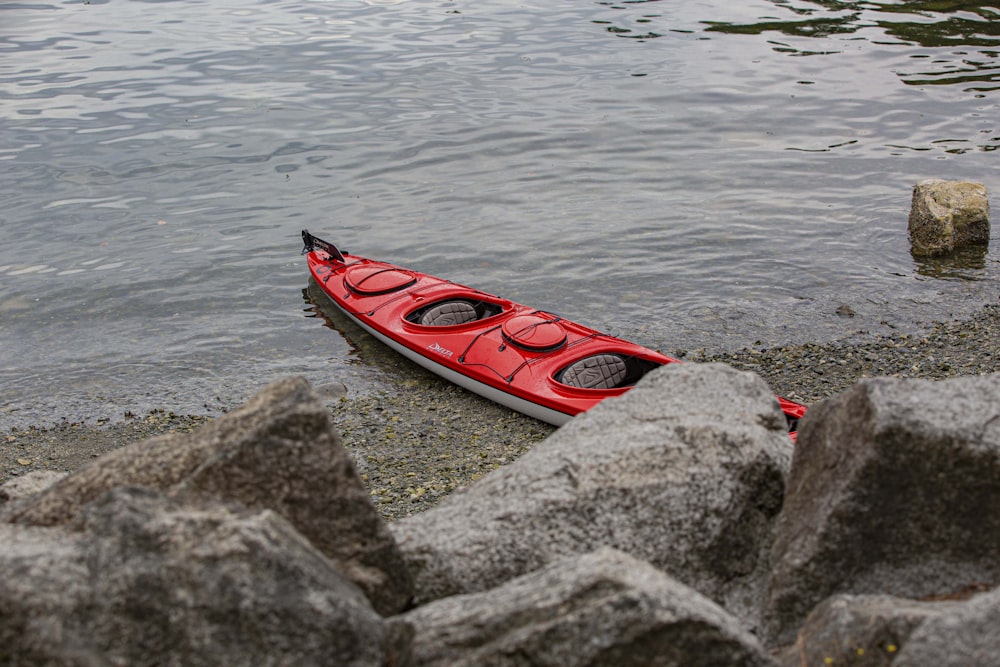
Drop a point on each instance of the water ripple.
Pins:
(689, 175)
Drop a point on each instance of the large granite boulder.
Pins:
(890, 492)
(860, 630)
(602, 608)
(139, 579)
(685, 471)
(279, 451)
(962, 636)
(948, 215)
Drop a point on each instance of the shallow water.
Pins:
(687, 175)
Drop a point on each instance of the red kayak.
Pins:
(529, 360)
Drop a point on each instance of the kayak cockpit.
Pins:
(606, 370)
(453, 312)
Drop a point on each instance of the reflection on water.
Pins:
(965, 263)
(953, 44)
(973, 28)
(639, 28)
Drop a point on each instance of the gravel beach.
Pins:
(418, 438)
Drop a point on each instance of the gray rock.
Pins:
(279, 452)
(34, 482)
(947, 215)
(297, 466)
(603, 608)
(138, 579)
(889, 493)
(859, 630)
(685, 471)
(966, 635)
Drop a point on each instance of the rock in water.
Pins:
(948, 215)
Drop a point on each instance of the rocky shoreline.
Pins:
(675, 525)
(810, 372)
(421, 438)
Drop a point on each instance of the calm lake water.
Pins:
(701, 174)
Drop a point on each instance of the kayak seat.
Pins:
(449, 314)
(601, 371)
